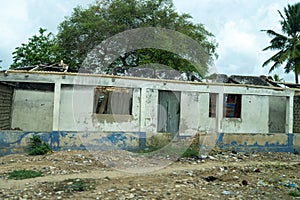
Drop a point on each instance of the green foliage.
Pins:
(287, 44)
(277, 78)
(294, 193)
(86, 28)
(23, 174)
(40, 49)
(192, 151)
(0, 63)
(37, 146)
(78, 185)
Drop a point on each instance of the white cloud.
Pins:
(235, 36)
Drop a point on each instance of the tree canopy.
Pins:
(85, 28)
(287, 44)
(40, 49)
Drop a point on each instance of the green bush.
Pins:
(23, 174)
(192, 151)
(79, 185)
(294, 193)
(37, 146)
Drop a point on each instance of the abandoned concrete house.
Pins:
(74, 110)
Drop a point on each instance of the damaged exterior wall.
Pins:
(32, 110)
(6, 99)
(69, 109)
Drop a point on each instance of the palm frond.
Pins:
(272, 33)
(289, 66)
(278, 59)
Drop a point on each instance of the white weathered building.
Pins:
(127, 110)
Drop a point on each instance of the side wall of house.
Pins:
(32, 110)
(6, 97)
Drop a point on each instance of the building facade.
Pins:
(71, 110)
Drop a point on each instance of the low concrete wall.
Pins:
(18, 142)
(260, 142)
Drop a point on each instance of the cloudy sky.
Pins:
(236, 25)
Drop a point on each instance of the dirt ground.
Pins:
(86, 175)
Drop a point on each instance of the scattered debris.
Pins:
(80, 175)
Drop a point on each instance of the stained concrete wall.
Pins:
(32, 110)
(76, 112)
(74, 104)
(254, 116)
(194, 113)
(277, 114)
(6, 97)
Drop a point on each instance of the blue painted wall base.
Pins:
(18, 141)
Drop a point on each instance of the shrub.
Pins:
(294, 193)
(37, 146)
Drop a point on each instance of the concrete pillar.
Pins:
(289, 114)
(143, 109)
(56, 105)
(219, 115)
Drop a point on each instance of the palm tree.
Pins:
(277, 78)
(288, 43)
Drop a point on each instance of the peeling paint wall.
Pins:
(18, 142)
(32, 110)
(278, 142)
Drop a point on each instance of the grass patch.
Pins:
(74, 185)
(23, 174)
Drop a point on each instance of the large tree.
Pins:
(286, 44)
(40, 49)
(85, 28)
